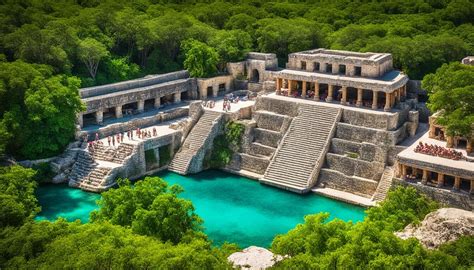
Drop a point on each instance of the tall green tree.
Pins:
(232, 46)
(200, 59)
(451, 91)
(91, 52)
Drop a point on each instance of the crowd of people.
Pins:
(435, 150)
(119, 137)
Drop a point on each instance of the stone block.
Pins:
(267, 137)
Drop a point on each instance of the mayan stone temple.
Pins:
(338, 123)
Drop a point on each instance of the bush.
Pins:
(225, 145)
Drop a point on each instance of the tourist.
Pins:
(118, 138)
(131, 134)
(96, 136)
(113, 140)
(138, 133)
(149, 134)
(154, 132)
(108, 140)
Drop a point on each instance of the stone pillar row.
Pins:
(390, 98)
(402, 171)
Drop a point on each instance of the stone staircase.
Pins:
(384, 184)
(195, 142)
(299, 157)
(86, 172)
(110, 154)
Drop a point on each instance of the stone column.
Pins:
(330, 92)
(303, 92)
(449, 141)
(388, 96)
(457, 183)
(157, 102)
(141, 105)
(278, 86)
(359, 97)
(350, 70)
(118, 111)
(99, 117)
(80, 119)
(404, 170)
(440, 180)
(424, 179)
(471, 190)
(215, 90)
(290, 84)
(344, 95)
(469, 144)
(316, 90)
(335, 68)
(177, 97)
(322, 67)
(374, 99)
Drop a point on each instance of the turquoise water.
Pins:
(64, 201)
(234, 209)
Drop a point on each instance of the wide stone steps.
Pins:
(303, 148)
(193, 143)
(384, 184)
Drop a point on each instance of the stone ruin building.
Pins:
(332, 122)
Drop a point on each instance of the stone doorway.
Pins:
(255, 76)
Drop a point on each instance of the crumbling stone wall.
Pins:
(355, 167)
(356, 185)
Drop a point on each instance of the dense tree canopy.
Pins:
(149, 207)
(451, 91)
(17, 197)
(39, 112)
(106, 41)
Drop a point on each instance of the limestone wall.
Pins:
(253, 163)
(277, 106)
(445, 197)
(356, 185)
(267, 137)
(115, 99)
(142, 82)
(236, 69)
(355, 167)
(385, 121)
(370, 135)
(214, 82)
(269, 121)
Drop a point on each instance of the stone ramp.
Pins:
(200, 138)
(299, 157)
(384, 184)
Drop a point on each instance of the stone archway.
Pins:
(255, 76)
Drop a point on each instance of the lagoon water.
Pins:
(234, 209)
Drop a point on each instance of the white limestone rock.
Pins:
(441, 226)
(254, 258)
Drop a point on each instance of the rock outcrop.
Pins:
(254, 258)
(441, 226)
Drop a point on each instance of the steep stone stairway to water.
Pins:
(296, 163)
(384, 184)
(191, 154)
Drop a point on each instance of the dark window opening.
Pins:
(149, 104)
(342, 69)
(88, 119)
(184, 95)
(221, 90)
(316, 66)
(357, 71)
(329, 68)
(303, 65)
(209, 91)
